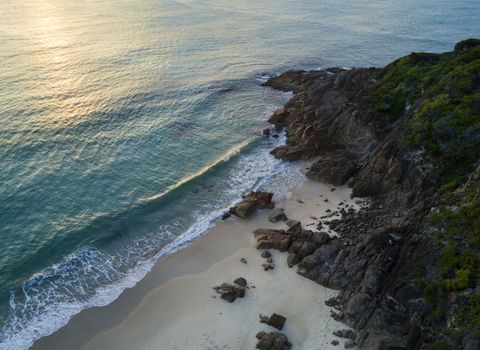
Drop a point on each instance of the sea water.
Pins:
(128, 126)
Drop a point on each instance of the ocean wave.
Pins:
(95, 277)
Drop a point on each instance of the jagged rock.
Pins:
(272, 341)
(278, 215)
(267, 266)
(334, 342)
(266, 132)
(349, 344)
(334, 168)
(333, 301)
(230, 292)
(266, 254)
(251, 202)
(295, 229)
(242, 282)
(268, 238)
(371, 262)
(225, 216)
(345, 333)
(275, 320)
(291, 223)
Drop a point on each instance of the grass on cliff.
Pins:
(440, 96)
(437, 97)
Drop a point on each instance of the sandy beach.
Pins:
(175, 306)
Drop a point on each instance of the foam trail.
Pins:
(52, 297)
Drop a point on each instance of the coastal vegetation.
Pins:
(408, 137)
(438, 96)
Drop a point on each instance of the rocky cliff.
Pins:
(408, 137)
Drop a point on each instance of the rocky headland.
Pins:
(407, 137)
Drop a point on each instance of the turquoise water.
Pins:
(126, 127)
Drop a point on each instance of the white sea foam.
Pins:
(51, 298)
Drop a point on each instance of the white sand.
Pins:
(182, 312)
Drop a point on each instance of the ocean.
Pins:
(127, 127)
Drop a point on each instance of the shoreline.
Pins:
(217, 253)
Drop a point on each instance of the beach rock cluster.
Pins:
(273, 341)
(331, 118)
(275, 320)
(299, 242)
(251, 202)
(230, 292)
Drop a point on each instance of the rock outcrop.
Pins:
(356, 123)
(252, 201)
(273, 341)
(275, 320)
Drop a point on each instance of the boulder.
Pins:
(291, 223)
(272, 341)
(335, 169)
(275, 320)
(278, 215)
(349, 344)
(266, 254)
(242, 282)
(345, 333)
(295, 229)
(251, 202)
(230, 292)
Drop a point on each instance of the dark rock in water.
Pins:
(225, 216)
(278, 215)
(266, 132)
(266, 254)
(275, 320)
(243, 260)
(242, 282)
(345, 333)
(272, 341)
(230, 292)
(276, 136)
(334, 342)
(291, 153)
(251, 202)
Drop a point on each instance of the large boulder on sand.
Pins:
(273, 341)
(275, 320)
(251, 202)
(230, 292)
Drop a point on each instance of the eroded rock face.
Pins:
(330, 117)
(335, 168)
(273, 341)
(251, 202)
